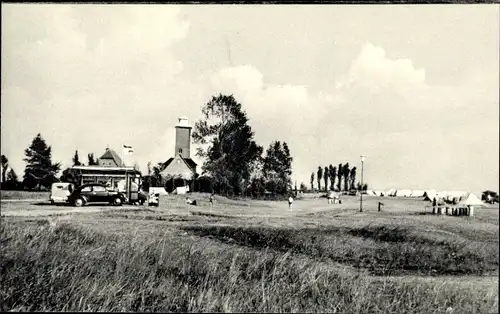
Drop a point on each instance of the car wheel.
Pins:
(117, 201)
(79, 202)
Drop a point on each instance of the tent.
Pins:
(417, 193)
(471, 200)
(370, 192)
(450, 195)
(429, 195)
(391, 192)
(379, 192)
(405, 193)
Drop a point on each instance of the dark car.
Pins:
(96, 193)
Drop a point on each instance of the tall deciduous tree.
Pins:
(91, 159)
(230, 148)
(277, 167)
(76, 159)
(39, 171)
(312, 181)
(319, 177)
(339, 177)
(12, 180)
(326, 176)
(353, 177)
(346, 172)
(5, 167)
(333, 175)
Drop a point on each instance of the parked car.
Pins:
(96, 193)
(60, 191)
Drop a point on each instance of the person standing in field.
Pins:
(211, 200)
(290, 201)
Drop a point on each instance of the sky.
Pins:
(415, 88)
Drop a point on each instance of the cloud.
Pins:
(89, 76)
(381, 107)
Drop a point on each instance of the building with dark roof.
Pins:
(110, 159)
(180, 170)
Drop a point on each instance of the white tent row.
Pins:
(404, 193)
(417, 193)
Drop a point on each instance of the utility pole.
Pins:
(361, 195)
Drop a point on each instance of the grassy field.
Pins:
(249, 256)
(24, 195)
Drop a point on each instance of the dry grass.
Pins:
(236, 258)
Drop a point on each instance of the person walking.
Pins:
(290, 202)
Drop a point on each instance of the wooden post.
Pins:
(447, 208)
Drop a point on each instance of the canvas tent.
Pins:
(429, 195)
(405, 193)
(471, 200)
(391, 192)
(379, 192)
(417, 193)
(370, 192)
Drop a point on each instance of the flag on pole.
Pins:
(127, 150)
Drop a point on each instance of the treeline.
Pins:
(341, 178)
(233, 162)
(40, 172)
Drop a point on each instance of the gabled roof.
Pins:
(111, 154)
(189, 162)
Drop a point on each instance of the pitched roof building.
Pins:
(181, 166)
(110, 159)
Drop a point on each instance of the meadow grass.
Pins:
(70, 267)
(22, 195)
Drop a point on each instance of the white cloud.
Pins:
(381, 107)
(89, 76)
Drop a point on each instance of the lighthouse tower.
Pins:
(183, 138)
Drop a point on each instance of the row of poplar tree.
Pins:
(341, 178)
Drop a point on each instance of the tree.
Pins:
(312, 181)
(230, 150)
(71, 176)
(353, 177)
(5, 167)
(277, 167)
(363, 187)
(319, 177)
(12, 181)
(92, 161)
(339, 177)
(346, 172)
(326, 175)
(76, 159)
(157, 174)
(303, 187)
(332, 174)
(39, 171)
